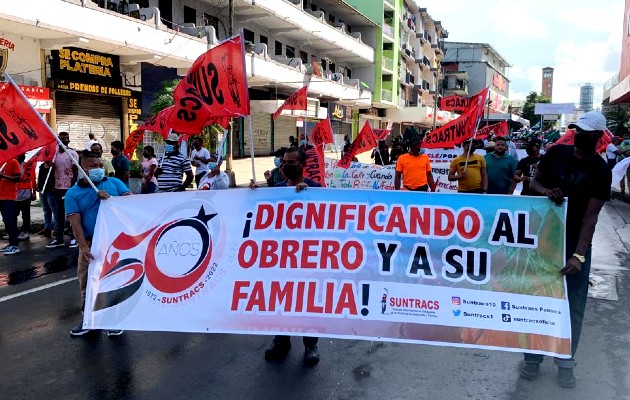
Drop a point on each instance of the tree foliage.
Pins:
(618, 121)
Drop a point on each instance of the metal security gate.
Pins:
(82, 114)
(261, 125)
(283, 127)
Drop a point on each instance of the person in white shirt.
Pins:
(215, 179)
(199, 158)
(612, 152)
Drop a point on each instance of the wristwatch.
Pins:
(580, 258)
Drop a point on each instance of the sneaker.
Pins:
(566, 377)
(311, 356)
(73, 243)
(277, 351)
(55, 243)
(24, 236)
(530, 370)
(10, 250)
(79, 330)
(116, 332)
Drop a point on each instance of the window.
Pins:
(304, 56)
(324, 64)
(304, 4)
(290, 52)
(313, 7)
(264, 39)
(349, 73)
(249, 36)
(166, 12)
(210, 20)
(332, 67)
(388, 46)
(190, 15)
(278, 51)
(331, 18)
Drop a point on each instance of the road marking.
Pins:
(37, 289)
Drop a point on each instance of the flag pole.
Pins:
(53, 134)
(251, 146)
(473, 139)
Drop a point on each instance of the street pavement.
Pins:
(39, 304)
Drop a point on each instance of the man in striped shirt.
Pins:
(172, 166)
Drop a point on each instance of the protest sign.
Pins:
(394, 266)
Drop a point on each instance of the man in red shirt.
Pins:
(10, 175)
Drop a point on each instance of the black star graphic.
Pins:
(203, 217)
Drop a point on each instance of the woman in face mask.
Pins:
(215, 179)
(275, 175)
(149, 165)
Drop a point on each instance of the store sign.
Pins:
(86, 66)
(91, 88)
(336, 112)
(39, 97)
(134, 109)
(499, 82)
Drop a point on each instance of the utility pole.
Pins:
(228, 161)
(435, 100)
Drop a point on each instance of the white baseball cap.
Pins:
(591, 121)
(172, 137)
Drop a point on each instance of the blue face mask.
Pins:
(169, 148)
(212, 165)
(96, 175)
(277, 161)
(302, 142)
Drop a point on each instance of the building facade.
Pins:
(618, 92)
(484, 67)
(96, 76)
(547, 82)
(586, 97)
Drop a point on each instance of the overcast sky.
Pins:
(581, 39)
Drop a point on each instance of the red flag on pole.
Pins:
(463, 128)
(499, 129)
(297, 101)
(215, 86)
(314, 168)
(454, 103)
(46, 153)
(365, 141)
(322, 133)
(21, 129)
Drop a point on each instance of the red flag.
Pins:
(381, 134)
(21, 128)
(314, 168)
(158, 123)
(297, 101)
(215, 86)
(454, 103)
(569, 138)
(322, 133)
(499, 129)
(455, 132)
(365, 141)
(132, 142)
(46, 153)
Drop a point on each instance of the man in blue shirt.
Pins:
(500, 169)
(120, 162)
(82, 204)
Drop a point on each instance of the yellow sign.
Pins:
(86, 63)
(91, 88)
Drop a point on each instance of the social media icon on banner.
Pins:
(507, 318)
(457, 312)
(505, 305)
(456, 301)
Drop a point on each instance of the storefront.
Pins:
(89, 96)
(341, 122)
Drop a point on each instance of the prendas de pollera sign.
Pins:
(443, 269)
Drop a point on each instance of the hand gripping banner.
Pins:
(377, 265)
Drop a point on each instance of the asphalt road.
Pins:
(39, 360)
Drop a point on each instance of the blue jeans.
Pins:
(149, 188)
(577, 290)
(7, 209)
(49, 207)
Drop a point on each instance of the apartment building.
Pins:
(93, 64)
(409, 46)
(617, 91)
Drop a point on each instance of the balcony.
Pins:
(386, 95)
(408, 52)
(388, 30)
(299, 25)
(388, 64)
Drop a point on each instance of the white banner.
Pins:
(554, 108)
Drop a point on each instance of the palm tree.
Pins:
(164, 97)
(618, 121)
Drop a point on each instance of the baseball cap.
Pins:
(534, 142)
(591, 121)
(172, 137)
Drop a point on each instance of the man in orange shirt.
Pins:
(10, 175)
(414, 169)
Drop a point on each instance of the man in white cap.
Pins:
(172, 166)
(578, 173)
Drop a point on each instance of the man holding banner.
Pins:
(579, 174)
